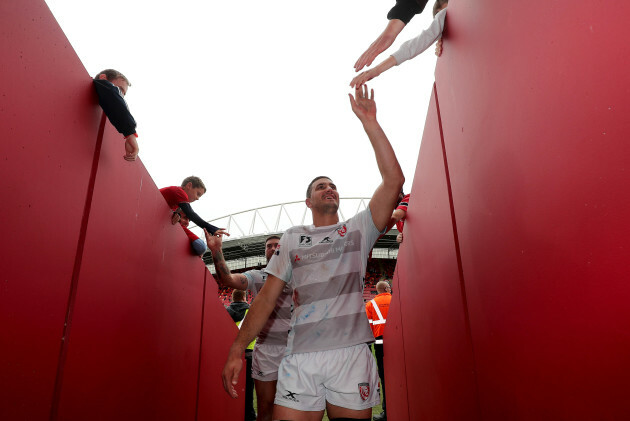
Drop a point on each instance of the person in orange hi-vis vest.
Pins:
(376, 310)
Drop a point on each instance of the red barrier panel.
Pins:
(219, 332)
(394, 356)
(93, 244)
(533, 104)
(536, 132)
(438, 363)
(138, 306)
(46, 160)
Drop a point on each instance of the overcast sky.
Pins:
(253, 96)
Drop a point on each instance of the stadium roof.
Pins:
(250, 228)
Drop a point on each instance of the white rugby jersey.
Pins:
(325, 267)
(276, 329)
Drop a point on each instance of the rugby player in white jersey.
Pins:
(271, 342)
(327, 365)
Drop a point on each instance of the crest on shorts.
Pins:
(364, 390)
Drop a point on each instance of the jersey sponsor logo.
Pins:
(297, 258)
(342, 231)
(364, 391)
(305, 241)
(326, 240)
(333, 249)
(291, 396)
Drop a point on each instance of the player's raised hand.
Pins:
(214, 242)
(363, 104)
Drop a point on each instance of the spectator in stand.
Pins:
(197, 244)
(411, 48)
(377, 310)
(271, 343)
(398, 16)
(180, 198)
(238, 310)
(111, 87)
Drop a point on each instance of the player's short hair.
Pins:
(196, 182)
(272, 237)
(309, 190)
(438, 5)
(238, 295)
(112, 75)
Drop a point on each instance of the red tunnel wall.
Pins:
(533, 105)
(93, 240)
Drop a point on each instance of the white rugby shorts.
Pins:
(346, 377)
(265, 361)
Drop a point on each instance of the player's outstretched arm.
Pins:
(385, 197)
(259, 312)
(224, 276)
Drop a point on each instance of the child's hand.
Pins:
(175, 218)
(438, 47)
(131, 148)
(382, 43)
(363, 77)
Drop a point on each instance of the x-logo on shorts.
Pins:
(265, 361)
(346, 377)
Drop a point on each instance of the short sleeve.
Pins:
(174, 195)
(365, 224)
(180, 195)
(250, 282)
(404, 203)
(280, 263)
